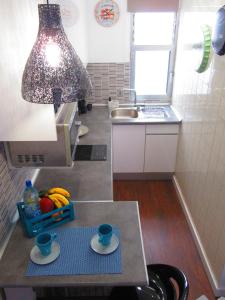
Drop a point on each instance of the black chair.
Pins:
(165, 283)
(168, 275)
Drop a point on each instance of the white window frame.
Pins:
(170, 76)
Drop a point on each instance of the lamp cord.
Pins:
(49, 17)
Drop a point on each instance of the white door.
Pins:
(160, 153)
(128, 148)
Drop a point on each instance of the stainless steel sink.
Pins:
(143, 114)
(124, 113)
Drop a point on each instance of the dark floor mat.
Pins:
(91, 152)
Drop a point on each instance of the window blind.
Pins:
(152, 5)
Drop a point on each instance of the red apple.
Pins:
(46, 205)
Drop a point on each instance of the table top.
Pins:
(125, 215)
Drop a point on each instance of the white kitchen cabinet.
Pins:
(128, 148)
(162, 129)
(160, 153)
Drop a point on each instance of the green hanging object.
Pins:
(206, 48)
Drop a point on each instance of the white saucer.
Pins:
(83, 130)
(99, 248)
(38, 258)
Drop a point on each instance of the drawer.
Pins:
(162, 129)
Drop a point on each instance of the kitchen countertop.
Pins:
(92, 180)
(86, 180)
(172, 116)
(123, 214)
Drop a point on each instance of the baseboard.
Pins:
(142, 176)
(218, 290)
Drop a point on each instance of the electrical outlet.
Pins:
(120, 93)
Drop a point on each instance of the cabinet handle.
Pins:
(77, 123)
(161, 133)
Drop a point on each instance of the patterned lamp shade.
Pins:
(53, 73)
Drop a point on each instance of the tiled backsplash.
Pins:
(200, 99)
(11, 186)
(109, 80)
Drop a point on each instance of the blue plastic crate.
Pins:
(46, 221)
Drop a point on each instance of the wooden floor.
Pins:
(166, 235)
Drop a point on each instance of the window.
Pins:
(152, 55)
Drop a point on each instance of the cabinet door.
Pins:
(160, 153)
(128, 148)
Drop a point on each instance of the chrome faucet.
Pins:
(135, 95)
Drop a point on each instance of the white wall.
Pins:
(108, 45)
(21, 120)
(200, 169)
(74, 18)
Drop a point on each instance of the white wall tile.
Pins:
(200, 99)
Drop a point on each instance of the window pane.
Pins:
(153, 28)
(151, 69)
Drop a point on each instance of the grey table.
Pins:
(123, 214)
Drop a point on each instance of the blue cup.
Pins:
(105, 234)
(44, 242)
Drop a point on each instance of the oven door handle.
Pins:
(77, 124)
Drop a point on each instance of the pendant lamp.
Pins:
(53, 73)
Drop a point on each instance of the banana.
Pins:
(60, 198)
(57, 203)
(58, 190)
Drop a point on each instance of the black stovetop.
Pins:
(91, 152)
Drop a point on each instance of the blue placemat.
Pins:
(77, 257)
